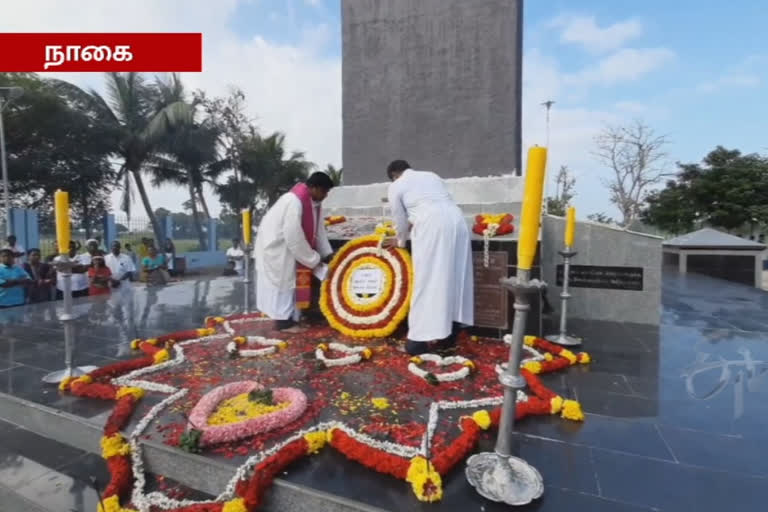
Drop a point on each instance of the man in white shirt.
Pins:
(80, 271)
(121, 265)
(443, 280)
(16, 248)
(290, 246)
(236, 255)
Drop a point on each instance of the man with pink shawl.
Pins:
(290, 245)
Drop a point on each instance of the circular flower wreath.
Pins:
(268, 346)
(372, 316)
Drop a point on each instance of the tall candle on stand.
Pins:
(247, 227)
(570, 226)
(63, 235)
(530, 218)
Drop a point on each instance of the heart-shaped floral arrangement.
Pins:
(435, 378)
(244, 409)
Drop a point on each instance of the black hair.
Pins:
(320, 180)
(34, 249)
(396, 167)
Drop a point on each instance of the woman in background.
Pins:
(99, 277)
(154, 267)
(170, 256)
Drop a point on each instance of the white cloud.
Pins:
(291, 89)
(313, 3)
(584, 31)
(623, 65)
(729, 80)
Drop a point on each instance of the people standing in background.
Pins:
(13, 280)
(146, 243)
(16, 249)
(170, 256)
(43, 276)
(154, 267)
(229, 270)
(236, 255)
(120, 265)
(131, 254)
(99, 276)
(100, 245)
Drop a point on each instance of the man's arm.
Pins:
(294, 236)
(399, 214)
(323, 244)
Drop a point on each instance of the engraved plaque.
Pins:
(491, 299)
(606, 278)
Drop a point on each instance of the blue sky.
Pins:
(693, 70)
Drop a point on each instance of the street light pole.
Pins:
(7, 94)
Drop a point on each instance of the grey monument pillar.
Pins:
(437, 82)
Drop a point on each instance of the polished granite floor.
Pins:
(676, 414)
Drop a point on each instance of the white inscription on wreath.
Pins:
(367, 281)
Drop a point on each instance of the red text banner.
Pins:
(91, 52)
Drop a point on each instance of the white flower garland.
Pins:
(356, 354)
(459, 374)
(488, 233)
(270, 347)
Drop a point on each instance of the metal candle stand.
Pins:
(64, 269)
(500, 476)
(562, 338)
(247, 279)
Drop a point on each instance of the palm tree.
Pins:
(265, 172)
(140, 115)
(336, 175)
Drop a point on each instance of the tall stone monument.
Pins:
(437, 82)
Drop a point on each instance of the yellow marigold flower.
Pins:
(548, 356)
(533, 366)
(367, 353)
(161, 356)
(206, 331)
(425, 481)
(114, 445)
(483, 419)
(572, 411)
(112, 504)
(323, 347)
(135, 343)
(416, 360)
(556, 404)
(469, 364)
(282, 345)
(474, 338)
(240, 340)
(315, 441)
(584, 358)
(570, 356)
(235, 505)
(153, 341)
(83, 379)
(219, 319)
(64, 384)
(136, 392)
(345, 396)
(380, 403)
(530, 340)
(329, 435)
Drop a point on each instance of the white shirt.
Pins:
(236, 255)
(280, 242)
(17, 248)
(119, 265)
(79, 281)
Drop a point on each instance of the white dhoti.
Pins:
(275, 303)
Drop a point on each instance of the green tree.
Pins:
(336, 175)
(728, 190)
(55, 144)
(601, 217)
(140, 115)
(565, 183)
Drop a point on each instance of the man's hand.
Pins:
(327, 259)
(389, 243)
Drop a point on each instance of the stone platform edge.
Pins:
(200, 473)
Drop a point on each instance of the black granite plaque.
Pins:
(607, 278)
(491, 299)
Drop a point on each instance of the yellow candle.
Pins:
(530, 218)
(247, 227)
(570, 226)
(63, 235)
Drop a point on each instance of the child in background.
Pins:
(99, 277)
